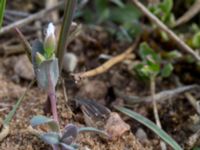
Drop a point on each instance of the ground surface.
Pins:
(178, 117)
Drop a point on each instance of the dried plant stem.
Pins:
(192, 140)
(107, 65)
(164, 28)
(25, 43)
(155, 109)
(30, 18)
(194, 10)
(160, 97)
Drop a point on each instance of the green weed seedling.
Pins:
(46, 68)
(57, 138)
(163, 11)
(153, 65)
(46, 57)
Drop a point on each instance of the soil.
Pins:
(177, 114)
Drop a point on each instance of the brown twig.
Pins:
(30, 18)
(193, 139)
(25, 43)
(159, 97)
(192, 101)
(107, 65)
(155, 108)
(163, 27)
(194, 9)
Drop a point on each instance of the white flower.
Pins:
(50, 30)
(50, 41)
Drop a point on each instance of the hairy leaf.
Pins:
(40, 120)
(67, 147)
(69, 134)
(47, 70)
(50, 138)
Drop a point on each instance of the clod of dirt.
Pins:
(115, 126)
(23, 68)
(93, 90)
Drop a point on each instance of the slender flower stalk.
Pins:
(52, 96)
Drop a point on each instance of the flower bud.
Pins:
(50, 41)
(39, 58)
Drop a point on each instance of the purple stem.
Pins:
(52, 97)
(53, 100)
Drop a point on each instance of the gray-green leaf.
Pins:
(47, 70)
(50, 138)
(40, 120)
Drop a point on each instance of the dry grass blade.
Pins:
(107, 65)
(25, 43)
(189, 14)
(30, 18)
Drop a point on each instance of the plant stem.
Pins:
(53, 100)
(52, 97)
(155, 109)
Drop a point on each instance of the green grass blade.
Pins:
(2, 9)
(15, 107)
(67, 20)
(151, 126)
(91, 129)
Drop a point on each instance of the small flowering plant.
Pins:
(45, 65)
(46, 57)
(44, 60)
(46, 69)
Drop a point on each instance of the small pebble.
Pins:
(70, 62)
